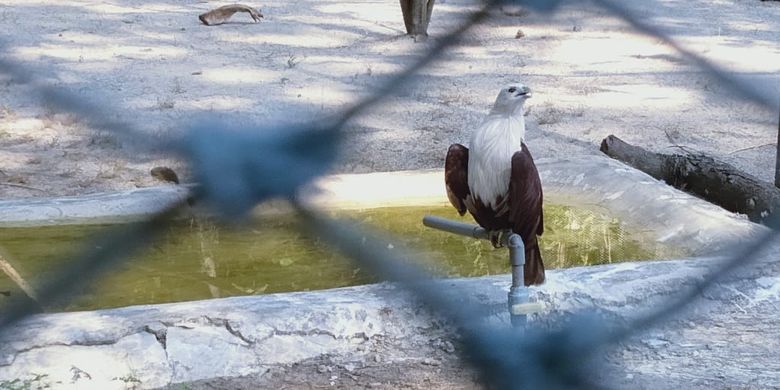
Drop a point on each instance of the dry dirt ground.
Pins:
(152, 64)
(440, 370)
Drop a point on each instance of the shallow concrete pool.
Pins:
(199, 259)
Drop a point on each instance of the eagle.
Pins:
(496, 180)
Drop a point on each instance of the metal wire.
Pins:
(265, 164)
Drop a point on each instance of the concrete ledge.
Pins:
(114, 207)
(157, 345)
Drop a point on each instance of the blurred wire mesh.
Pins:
(505, 358)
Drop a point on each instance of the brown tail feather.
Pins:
(534, 268)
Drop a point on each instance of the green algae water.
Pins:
(197, 259)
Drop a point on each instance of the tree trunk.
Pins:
(777, 156)
(703, 176)
(417, 16)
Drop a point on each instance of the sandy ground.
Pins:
(154, 65)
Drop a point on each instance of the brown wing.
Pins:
(525, 212)
(525, 196)
(456, 176)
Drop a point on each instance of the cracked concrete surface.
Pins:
(730, 338)
(188, 341)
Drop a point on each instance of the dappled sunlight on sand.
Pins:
(645, 96)
(738, 55)
(302, 36)
(155, 65)
(378, 11)
(104, 7)
(108, 52)
(596, 52)
(240, 75)
(217, 102)
(107, 8)
(342, 66)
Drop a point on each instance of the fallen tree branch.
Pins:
(712, 180)
(10, 271)
(222, 14)
(751, 147)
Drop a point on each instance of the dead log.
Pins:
(222, 14)
(712, 180)
(417, 16)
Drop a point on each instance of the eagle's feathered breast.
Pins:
(490, 159)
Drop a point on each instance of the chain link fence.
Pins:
(504, 357)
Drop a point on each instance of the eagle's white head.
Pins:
(510, 100)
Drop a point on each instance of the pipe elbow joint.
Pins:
(515, 241)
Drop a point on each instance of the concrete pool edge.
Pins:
(158, 345)
(669, 215)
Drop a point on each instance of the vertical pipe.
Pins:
(516, 259)
(517, 298)
(518, 294)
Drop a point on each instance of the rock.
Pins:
(448, 347)
(164, 174)
(431, 362)
(655, 343)
(18, 179)
(349, 367)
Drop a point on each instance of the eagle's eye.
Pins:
(511, 90)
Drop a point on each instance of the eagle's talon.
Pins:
(497, 238)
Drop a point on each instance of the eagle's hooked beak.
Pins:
(524, 91)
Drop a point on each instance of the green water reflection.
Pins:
(196, 259)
